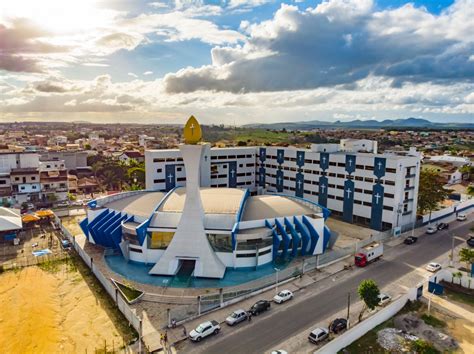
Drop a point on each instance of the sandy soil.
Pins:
(44, 312)
(462, 330)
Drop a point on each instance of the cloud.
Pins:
(336, 43)
(146, 73)
(19, 41)
(132, 75)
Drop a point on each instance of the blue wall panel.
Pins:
(348, 209)
(170, 177)
(232, 174)
(377, 207)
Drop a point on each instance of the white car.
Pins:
(236, 317)
(318, 335)
(203, 330)
(283, 296)
(433, 267)
(431, 230)
(384, 299)
(461, 217)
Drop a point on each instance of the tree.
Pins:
(470, 190)
(466, 255)
(456, 275)
(431, 191)
(369, 293)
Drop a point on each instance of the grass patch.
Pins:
(459, 297)
(129, 291)
(433, 321)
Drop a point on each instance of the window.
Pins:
(390, 170)
(159, 170)
(179, 169)
(33, 178)
(3, 181)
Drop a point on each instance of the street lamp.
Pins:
(276, 287)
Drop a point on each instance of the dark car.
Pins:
(338, 325)
(259, 307)
(410, 240)
(470, 241)
(442, 226)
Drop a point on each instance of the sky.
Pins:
(236, 61)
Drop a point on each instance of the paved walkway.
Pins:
(450, 306)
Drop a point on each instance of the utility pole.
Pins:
(451, 262)
(348, 308)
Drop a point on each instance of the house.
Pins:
(128, 156)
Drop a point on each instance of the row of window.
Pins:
(338, 164)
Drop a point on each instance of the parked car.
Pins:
(442, 226)
(279, 351)
(410, 240)
(431, 230)
(461, 217)
(338, 325)
(384, 299)
(470, 241)
(433, 267)
(203, 330)
(236, 317)
(66, 244)
(318, 335)
(283, 296)
(259, 307)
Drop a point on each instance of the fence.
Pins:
(122, 305)
(209, 302)
(439, 214)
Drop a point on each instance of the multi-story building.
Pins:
(351, 179)
(25, 183)
(54, 181)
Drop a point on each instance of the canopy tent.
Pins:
(44, 213)
(10, 219)
(30, 218)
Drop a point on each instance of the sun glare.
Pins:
(59, 16)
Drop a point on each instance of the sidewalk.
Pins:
(449, 306)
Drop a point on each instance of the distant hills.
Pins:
(415, 123)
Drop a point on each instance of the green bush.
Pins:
(419, 346)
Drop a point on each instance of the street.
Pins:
(311, 306)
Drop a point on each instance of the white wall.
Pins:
(365, 326)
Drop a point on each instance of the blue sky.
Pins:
(236, 61)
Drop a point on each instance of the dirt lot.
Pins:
(348, 233)
(58, 308)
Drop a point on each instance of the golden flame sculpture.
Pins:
(192, 131)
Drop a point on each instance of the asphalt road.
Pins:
(270, 329)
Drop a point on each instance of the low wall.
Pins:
(438, 215)
(122, 304)
(365, 326)
(447, 275)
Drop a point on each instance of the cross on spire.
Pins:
(192, 128)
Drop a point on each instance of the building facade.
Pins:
(351, 179)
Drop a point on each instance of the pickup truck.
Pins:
(203, 330)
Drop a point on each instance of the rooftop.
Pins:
(273, 206)
(214, 200)
(142, 204)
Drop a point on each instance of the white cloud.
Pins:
(340, 42)
(146, 73)
(132, 75)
